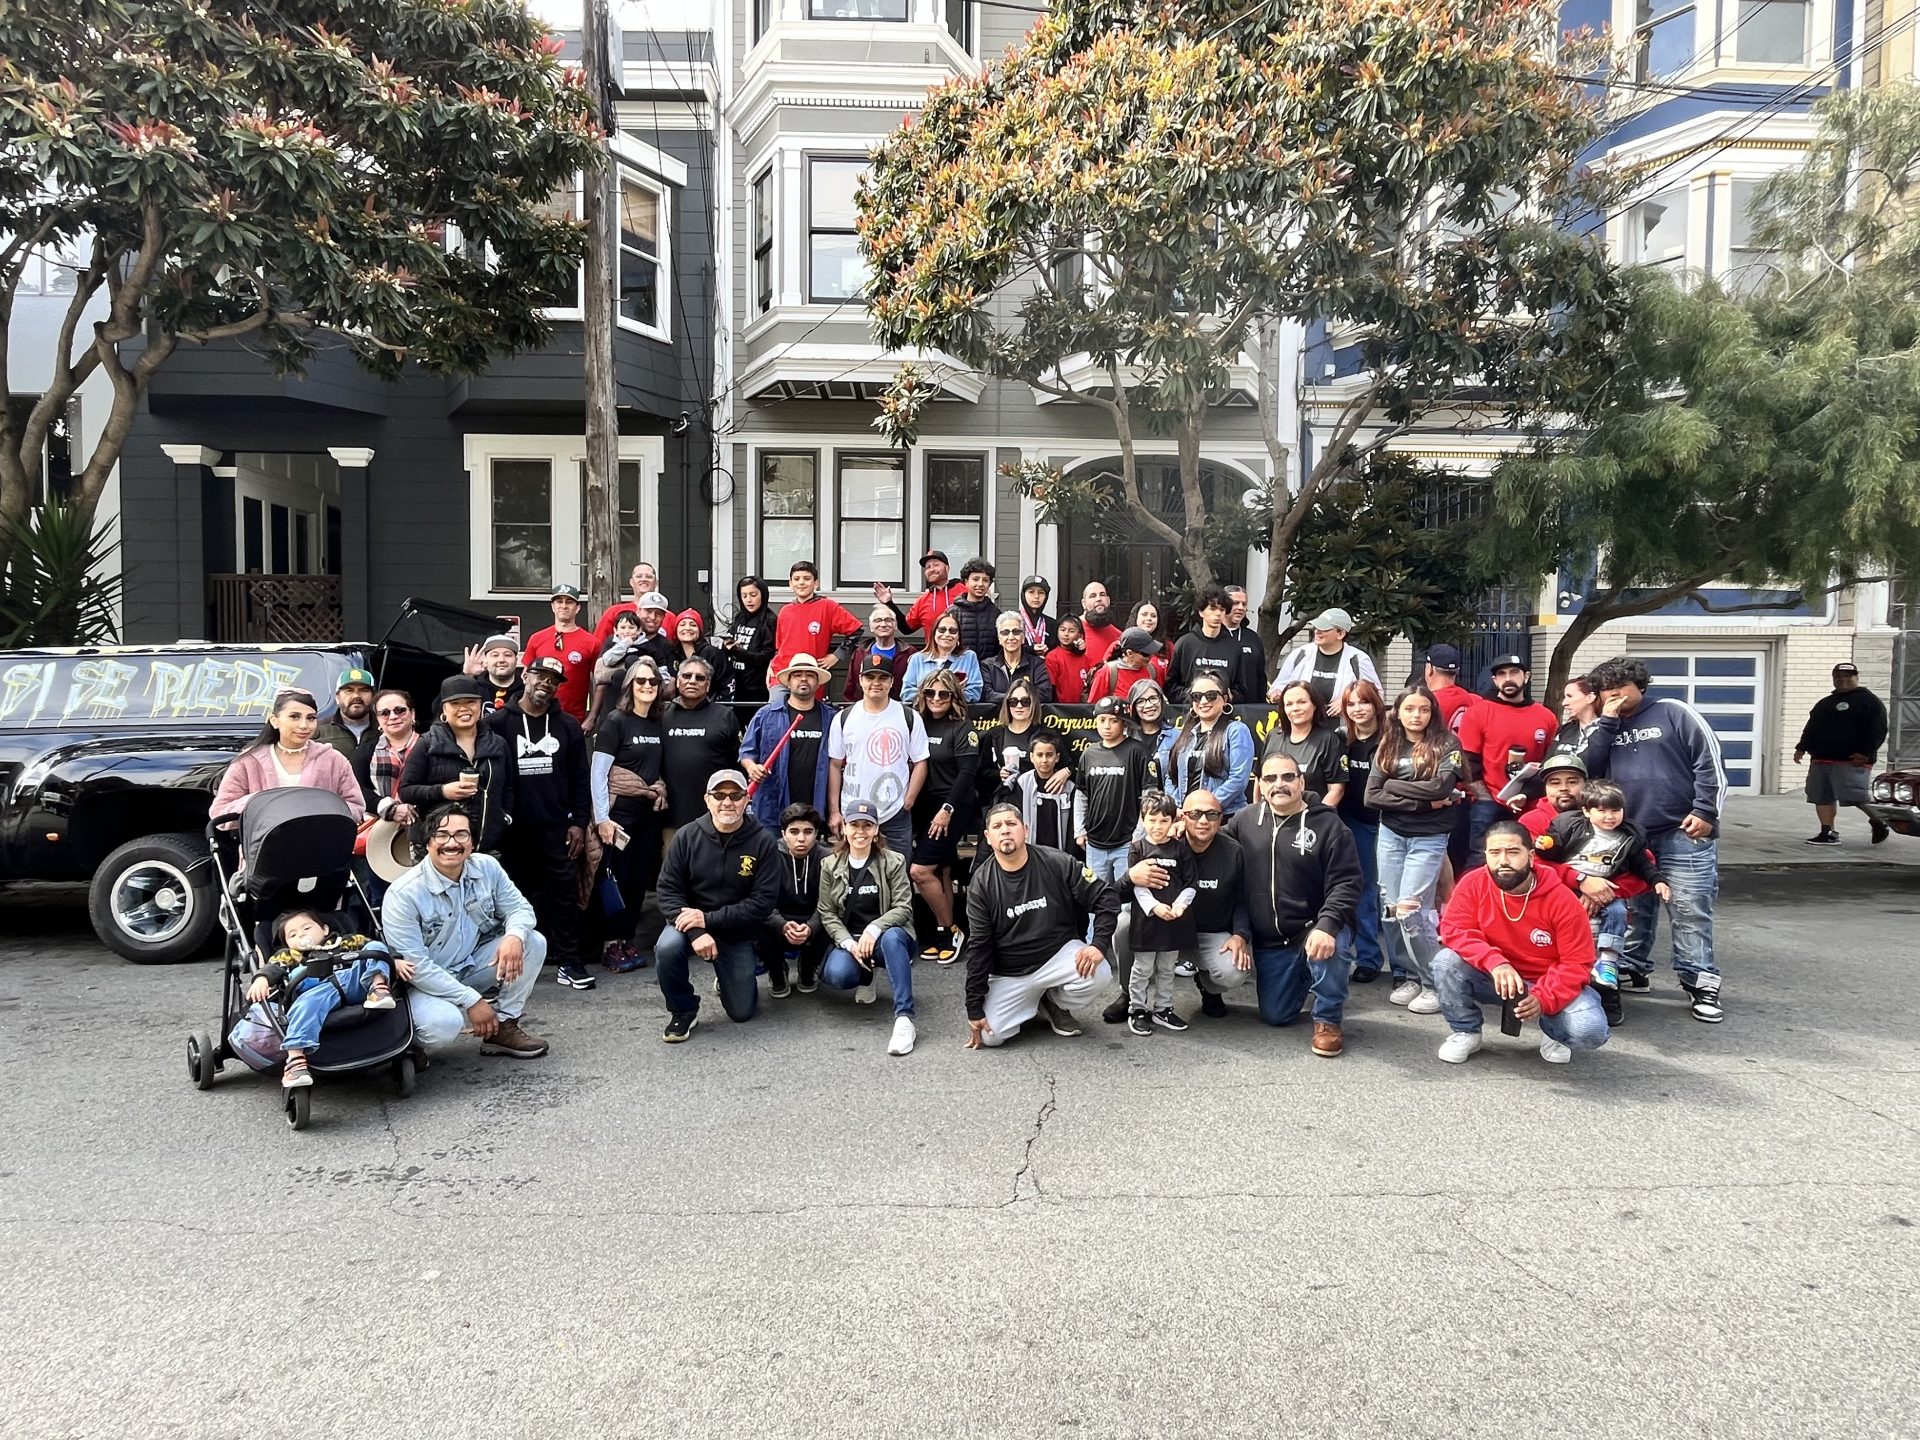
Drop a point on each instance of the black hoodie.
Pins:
(734, 877)
(1302, 873)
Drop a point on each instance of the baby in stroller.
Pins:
(313, 973)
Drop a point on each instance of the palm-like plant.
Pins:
(56, 590)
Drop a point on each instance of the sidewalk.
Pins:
(1763, 832)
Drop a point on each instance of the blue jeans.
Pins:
(1110, 864)
(317, 998)
(1282, 976)
(1610, 926)
(1409, 869)
(437, 1023)
(840, 971)
(739, 991)
(1360, 941)
(1480, 820)
(1692, 869)
(1462, 989)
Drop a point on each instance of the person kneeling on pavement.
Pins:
(460, 928)
(719, 883)
(1026, 946)
(866, 907)
(312, 975)
(1514, 935)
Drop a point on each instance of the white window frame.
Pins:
(812, 160)
(1678, 263)
(1718, 48)
(455, 240)
(663, 262)
(565, 453)
(299, 497)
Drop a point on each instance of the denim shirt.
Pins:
(440, 924)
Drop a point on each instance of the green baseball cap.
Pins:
(354, 675)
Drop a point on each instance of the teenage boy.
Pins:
(1250, 674)
(576, 650)
(976, 611)
(877, 752)
(810, 624)
(1210, 650)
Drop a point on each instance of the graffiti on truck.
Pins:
(106, 689)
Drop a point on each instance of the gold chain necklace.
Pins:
(1525, 900)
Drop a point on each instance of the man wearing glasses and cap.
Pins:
(719, 882)
(939, 596)
(1842, 735)
(576, 650)
(352, 723)
(1326, 663)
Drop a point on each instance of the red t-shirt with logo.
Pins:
(808, 627)
(576, 650)
(1450, 702)
(1489, 728)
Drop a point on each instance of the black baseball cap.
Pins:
(460, 687)
(1502, 662)
(1110, 705)
(1443, 657)
(939, 555)
(1036, 582)
(1846, 667)
(547, 665)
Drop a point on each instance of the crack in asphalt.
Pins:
(1047, 1107)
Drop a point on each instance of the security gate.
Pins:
(1728, 689)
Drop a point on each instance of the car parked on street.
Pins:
(109, 757)
(1893, 800)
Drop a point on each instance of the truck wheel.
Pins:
(148, 904)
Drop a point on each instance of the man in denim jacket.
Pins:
(459, 927)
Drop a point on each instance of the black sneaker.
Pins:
(1364, 976)
(575, 977)
(679, 1027)
(1612, 1004)
(1139, 1022)
(1059, 1019)
(931, 950)
(1825, 837)
(1879, 829)
(1706, 1002)
(1116, 1011)
(1167, 1020)
(778, 986)
(1638, 981)
(1212, 1005)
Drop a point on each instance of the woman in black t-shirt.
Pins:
(944, 810)
(629, 740)
(1319, 751)
(748, 640)
(1360, 718)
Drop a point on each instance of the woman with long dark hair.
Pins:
(1320, 751)
(944, 808)
(689, 642)
(1003, 749)
(1361, 711)
(462, 761)
(629, 741)
(1415, 770)
(748, 640)
(283, 754)
(1213, 751)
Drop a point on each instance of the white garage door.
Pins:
(1727, 687)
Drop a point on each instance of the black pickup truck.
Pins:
(109, 757)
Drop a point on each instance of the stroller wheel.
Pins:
(202, 1063)
(299, 1107)
(404, 1075)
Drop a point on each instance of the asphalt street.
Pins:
(778, 1230)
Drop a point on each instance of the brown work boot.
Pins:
(1327, 1040)
(510, 1039)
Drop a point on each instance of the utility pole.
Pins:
(603, 421)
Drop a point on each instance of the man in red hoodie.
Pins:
(1516, 933)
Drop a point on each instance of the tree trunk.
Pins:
(1193, 543)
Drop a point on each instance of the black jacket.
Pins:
(1567, 835)
(978, 621)
(997, 677)
(750, 652)
(1302, 873)
(1844, 724)
(437, 760)
(734, 877)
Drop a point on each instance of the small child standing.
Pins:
(1598, 840)
(793, 939)
(1052, 819)
(609, 671)
(1160, 928)
(313, 974)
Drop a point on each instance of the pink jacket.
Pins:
(253, 771)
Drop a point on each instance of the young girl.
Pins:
(1067, 662)
(1361, 719)
(792, 941)
(749, 640)
(1053, 817)
(866, 907)
(313, 974)
(1160, 928)
(1412, 786)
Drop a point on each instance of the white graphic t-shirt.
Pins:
(880, 752)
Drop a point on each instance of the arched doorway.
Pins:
(1130, 563)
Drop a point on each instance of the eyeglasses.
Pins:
(453, 835)
(1286, 778)
(392, 711)
(939, 694)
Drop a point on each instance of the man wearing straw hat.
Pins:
(784, 750)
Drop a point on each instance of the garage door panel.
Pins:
(1727, 688)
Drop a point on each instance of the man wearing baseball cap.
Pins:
(933, 602)
(576, 650)
(1442, 675)
(719, 882)
(496, 660)
(1326, 662)
(1842, 735)
(1498, 735)
(643, 580)
(352, 723)
(1130, 662)
(1561, 776)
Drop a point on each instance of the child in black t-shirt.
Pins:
(1160, 927)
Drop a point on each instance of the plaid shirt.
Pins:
(384, 768)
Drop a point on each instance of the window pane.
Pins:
(639, 288)
(303, 545)
(957, 538)
(873, 487)
(280, 523)
(857, 9)
(1657, 230)
(838, 271)
(522, 491)
(762, 212)
(954, 484)
(872, 550)
(781, 543)
(253, 544)
(1666, 47)
(639, 219)
(1772, 32)
(522, 524)
(960, 22)
(786, 485)
(833, 183)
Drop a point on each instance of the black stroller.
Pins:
(298, 843)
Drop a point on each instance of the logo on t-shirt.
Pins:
(886, 747)
(1541, 938)
(746, 865)
(1305, 841)
(813, 627)
(1038, 904)
(1540, 735)
(573, 657)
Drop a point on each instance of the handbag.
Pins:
(612, 902)
(259, 1037)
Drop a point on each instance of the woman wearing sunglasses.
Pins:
(944, 810)
(1004, 749)
(944, 651)
(1213, 751)
(630, 792)
(379, 765)
(1014, 661)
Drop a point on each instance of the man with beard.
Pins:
(552, 807)
(352, 723)
(573, 647)
(643, 581)
(940, 593)
(1027, 952)
(700, 739)
(1249, 681)
(497, 663)
(784, 749)
(1561, 776)
(1515, 935)
(1097, 630)
(1504, 731)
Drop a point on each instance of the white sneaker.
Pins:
(1459, 1045)
(1403, 992)
(865, 994)
(1424, 1003)
(903, 1036)
(1554, 1053)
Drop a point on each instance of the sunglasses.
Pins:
(696, 678)
(939, 694)
(1018, 702)
(647, 683)
(389, 713)
(1200, 696)
(1203, 814)
(1287, 779)
(727, 797)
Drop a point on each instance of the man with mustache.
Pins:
(1514, 932)
(1500, 733)
(1097, 629)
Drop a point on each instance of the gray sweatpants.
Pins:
(1217, 972)
(1151, 985)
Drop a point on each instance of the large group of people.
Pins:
(906, 790)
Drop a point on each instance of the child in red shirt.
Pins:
(811, 623)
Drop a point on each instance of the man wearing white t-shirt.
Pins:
(877, 752)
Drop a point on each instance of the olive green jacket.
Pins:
(896, 895)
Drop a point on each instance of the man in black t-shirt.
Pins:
(700, 739)
(1224, 952)
(784, 748)
(1026, 948)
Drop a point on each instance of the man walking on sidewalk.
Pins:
(1842, 735)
